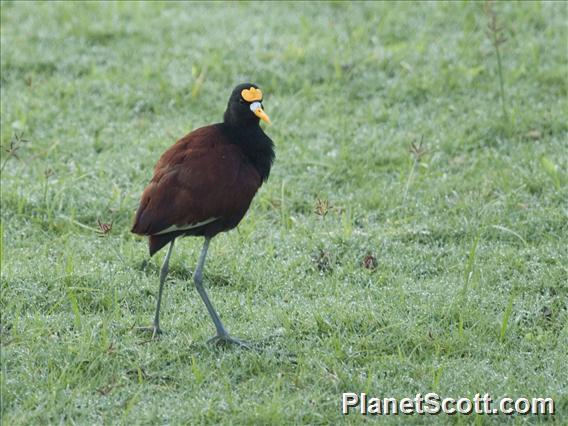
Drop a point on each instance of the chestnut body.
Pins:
(206, 177)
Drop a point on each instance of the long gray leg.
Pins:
(163, 275)
(198, 280)
(222, 334)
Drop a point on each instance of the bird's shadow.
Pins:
(178, 272)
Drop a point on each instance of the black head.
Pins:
(244, 110)
(245, 106)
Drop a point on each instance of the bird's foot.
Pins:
(155, 330)
(226, 340)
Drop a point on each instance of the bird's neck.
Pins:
(256, 145)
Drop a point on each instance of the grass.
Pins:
(408, 240)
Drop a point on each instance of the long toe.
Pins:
(153, 330)
(226, 340)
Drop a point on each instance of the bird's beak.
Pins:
(256, 108)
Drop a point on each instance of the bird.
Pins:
(203, 185)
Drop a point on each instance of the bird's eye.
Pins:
(241, 100)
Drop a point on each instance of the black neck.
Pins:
(256, 145)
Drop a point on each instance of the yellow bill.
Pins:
(256, 108)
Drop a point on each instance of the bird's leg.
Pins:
(163, 274)
(222, 334)
(198, 280)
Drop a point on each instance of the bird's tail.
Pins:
(156, 242)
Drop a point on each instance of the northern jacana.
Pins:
(204, 184)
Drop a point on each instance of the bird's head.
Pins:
(245, 106)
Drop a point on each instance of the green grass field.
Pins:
(412, 236)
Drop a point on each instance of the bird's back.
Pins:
(202, 185)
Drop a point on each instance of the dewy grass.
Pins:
(349, 273)
(506, 316)
(495, 33)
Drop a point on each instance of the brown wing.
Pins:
(200, 178)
